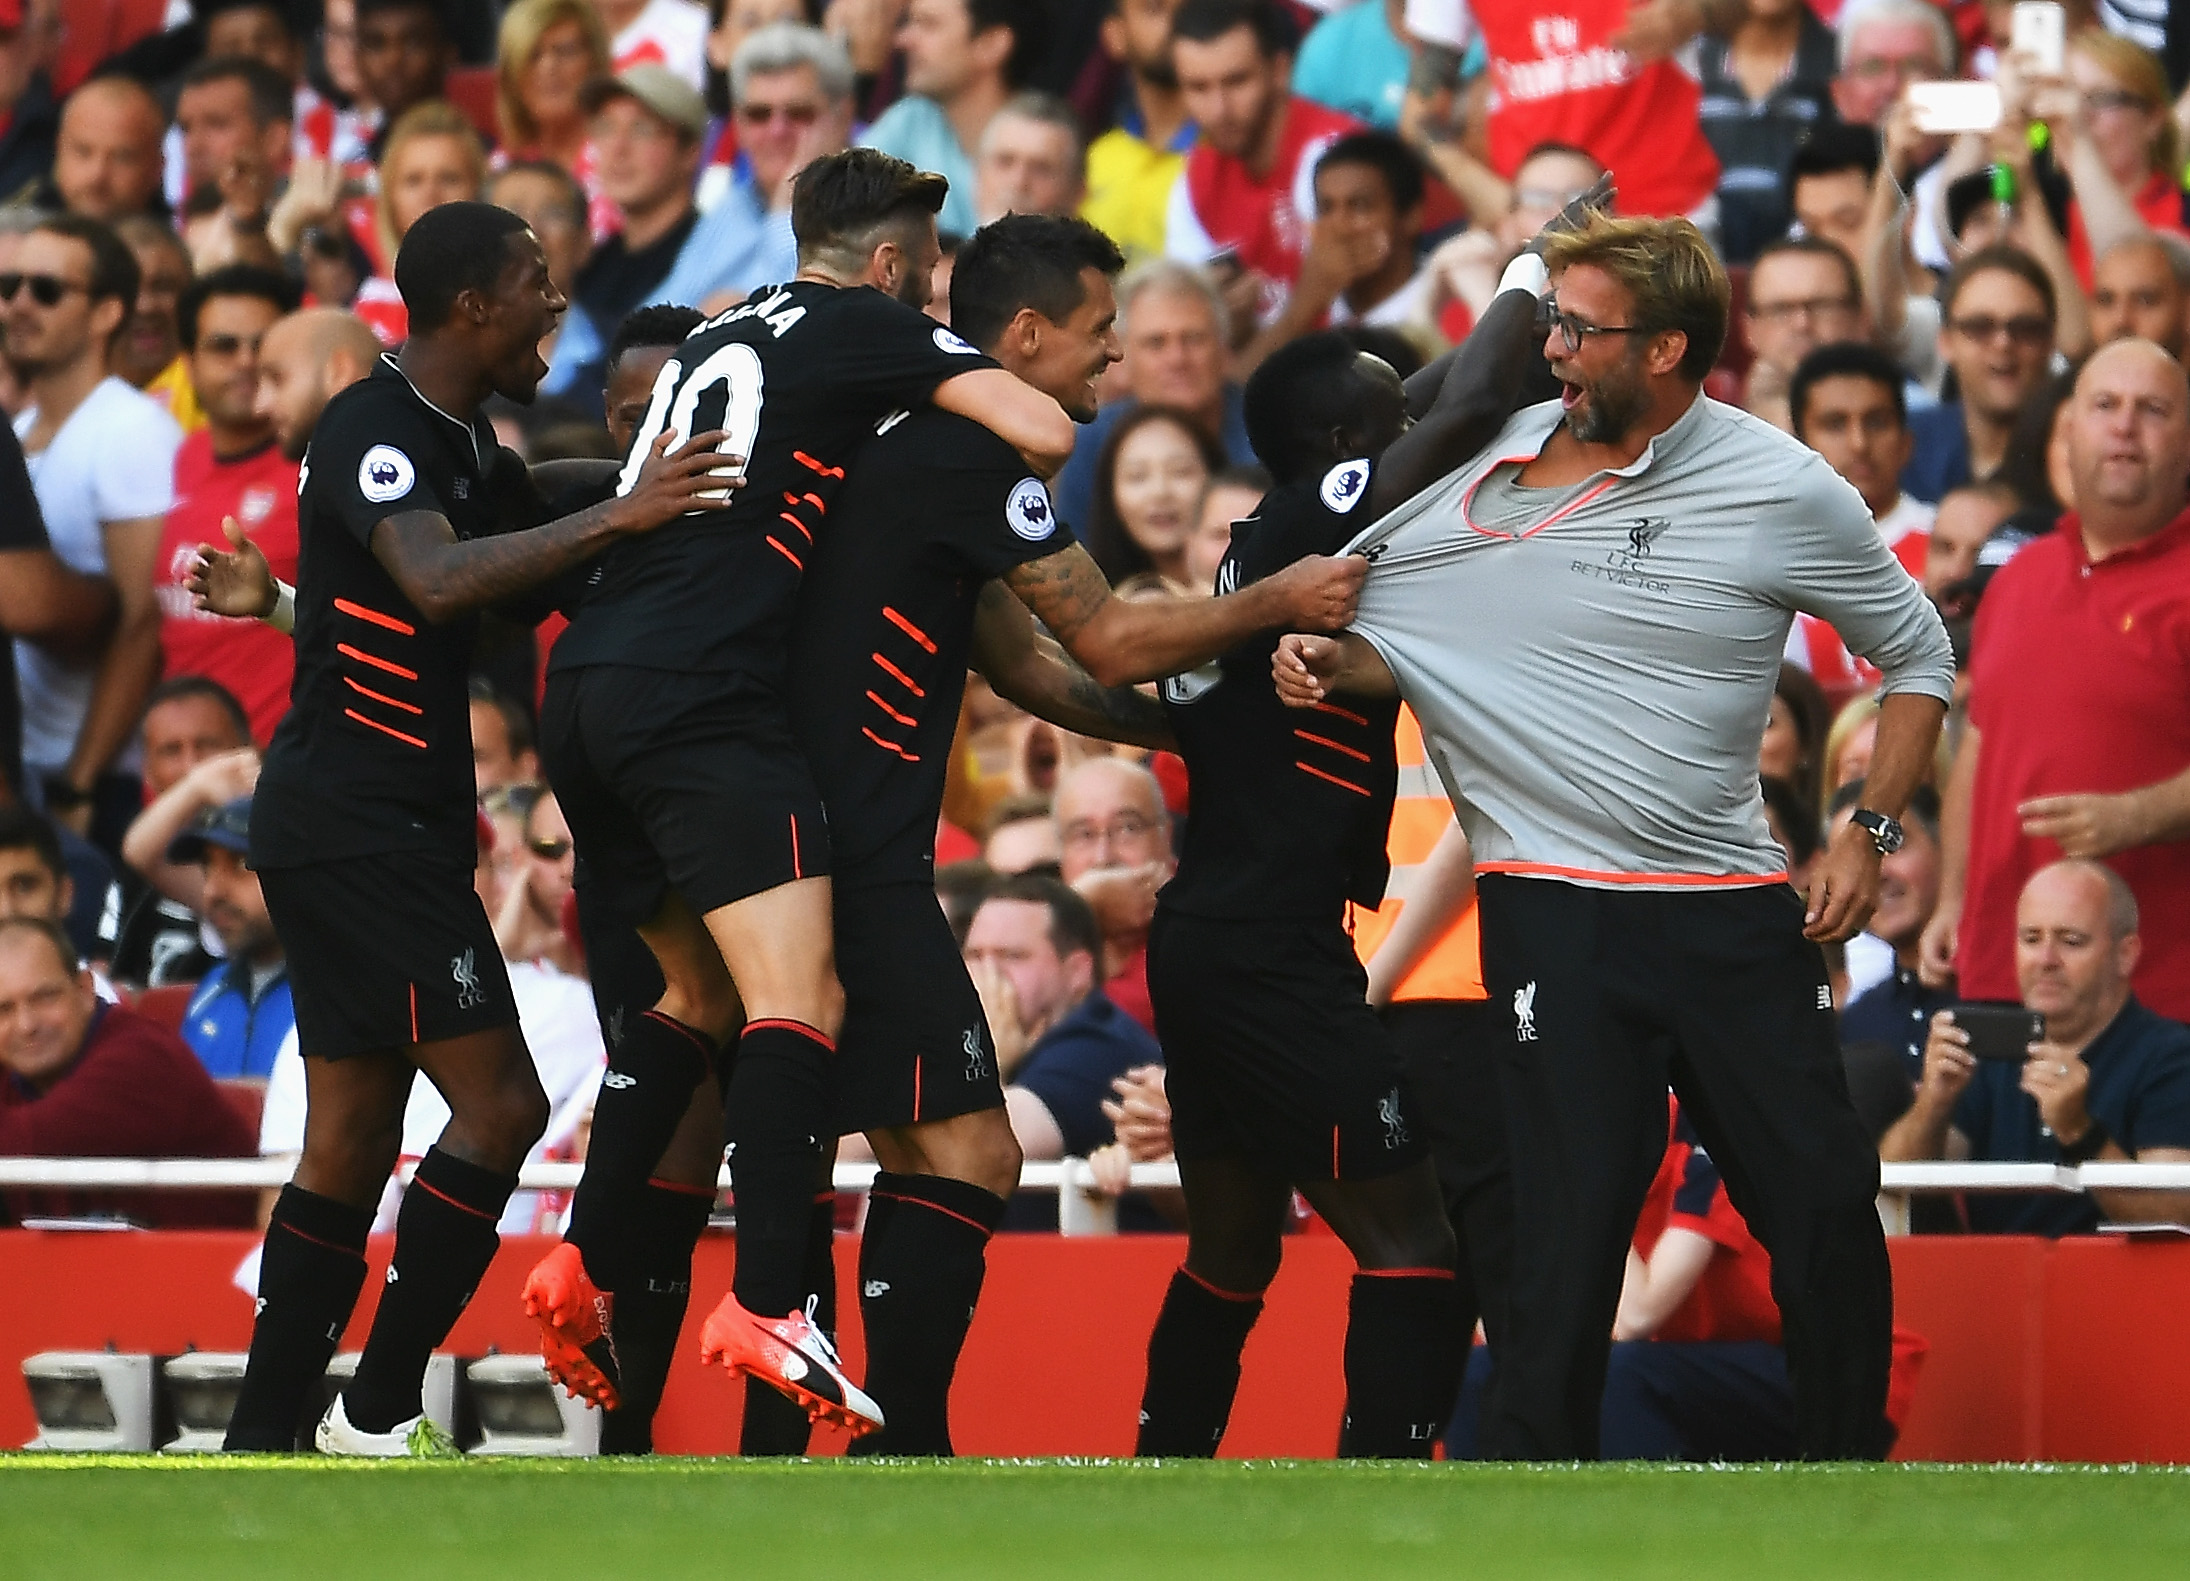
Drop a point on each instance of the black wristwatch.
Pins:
(1885, 832)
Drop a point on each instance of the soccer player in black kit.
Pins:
(695, 817)
(363, 828)
(1278, 1072)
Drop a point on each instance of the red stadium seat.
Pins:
(165, 1004)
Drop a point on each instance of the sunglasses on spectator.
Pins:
(45, 289)
(2025, 330)
(220, 345)
(800, 116)
(548, 850)
(2113, 99)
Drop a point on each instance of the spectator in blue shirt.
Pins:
(1356, 60)
(791, 95)
(242, 1010)
(1997, 320)
(963, 59)
(2109, 1081)
(1060, 1042)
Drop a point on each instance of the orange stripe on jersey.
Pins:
(797, 868)
(1684, 880)
(906, 720)
(795, 522)
(804, 460)
(1325, 741)
(779, 549)
(367, 691)
(889, 746)
(1310, 768)
(1343, 713)
(385, 729)
(359, 611)
(908, 628)
(910, 684)
(363, 657)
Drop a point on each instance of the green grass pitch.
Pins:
(544, 1521)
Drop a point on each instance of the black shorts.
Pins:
(386, 951)
(1271, 1052)
(915, 1045)
(691, 782)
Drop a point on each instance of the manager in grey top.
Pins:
(1588, 619)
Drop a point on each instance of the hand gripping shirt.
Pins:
(1593, 686)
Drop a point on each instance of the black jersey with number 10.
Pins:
(797, 376)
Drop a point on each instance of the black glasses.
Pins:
(221, 345)
(1574, 330)
(2024, 330)
(45, 289)
(548, 850)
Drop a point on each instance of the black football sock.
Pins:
(645, 1091)
(1402, 1363)
(920, 1274)
(444, 1238)
(650, 1305)
(773, 1423)
(310, 1272)
(1193, 1367)
(776, 1116)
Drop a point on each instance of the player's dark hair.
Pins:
(570, 197)
(177, 688)
(21, 829)
(1846, 359)
(1810, 247)
(236, 279)
(840, 203)
(1029, 24)
(515, 719)
(1072, 925)
(114, 272)
(1025, 260)
(1201, 21)
(1301, 392)
(1797, 818)
(52, 932)
(1107, 540)
(1399, 165)
(1923, 806)
(451, 249)
(1833, 148)
(2005, 259)
(662, 324)
(272, 99)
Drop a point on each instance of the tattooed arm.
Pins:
(1121, 642)
(446, 577)
(1036, 673)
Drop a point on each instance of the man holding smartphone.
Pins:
(2106, 1080)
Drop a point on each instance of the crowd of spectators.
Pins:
(196, 236)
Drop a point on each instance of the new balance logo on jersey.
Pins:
(1524, 1014)
(1395, 1129)
(464, 971)
(977, 1055)
(619, 1081)
(1824, 996)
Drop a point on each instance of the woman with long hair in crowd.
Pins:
(1148, 487)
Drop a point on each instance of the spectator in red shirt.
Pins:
(232, 467)
(1116, 838)
(1246, 198)
(88, 1080)
(2078, 741)
(2115, 137)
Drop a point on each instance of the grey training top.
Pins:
(1593, 689)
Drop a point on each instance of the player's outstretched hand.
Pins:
(234, 581)
(695, 476)
(1302, 667)
(1319, 593)
(1577, 213)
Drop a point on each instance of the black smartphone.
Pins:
(1999, 1030)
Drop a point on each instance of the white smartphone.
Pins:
(1943, 109)
(1442, 22)
(2039, 36)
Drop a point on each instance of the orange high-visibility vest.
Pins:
(1453, 967)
